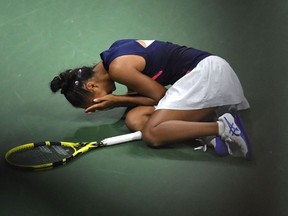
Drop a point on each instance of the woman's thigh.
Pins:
(199, 115)
(169, 126)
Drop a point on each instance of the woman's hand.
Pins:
(110, 101)
(103, 103)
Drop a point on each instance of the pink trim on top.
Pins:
(157, 75)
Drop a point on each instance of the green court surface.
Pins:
(40, 38)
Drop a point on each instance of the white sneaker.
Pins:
(233, 133)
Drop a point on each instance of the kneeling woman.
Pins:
(200, 84)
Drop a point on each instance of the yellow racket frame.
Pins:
(79, 148)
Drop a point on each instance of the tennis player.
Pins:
(174, 90)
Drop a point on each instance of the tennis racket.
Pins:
(43, 155)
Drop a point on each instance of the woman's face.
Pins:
(99, 85)
(89, 100)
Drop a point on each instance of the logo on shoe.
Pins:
(234, 130)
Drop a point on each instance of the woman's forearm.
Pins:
(133, 100)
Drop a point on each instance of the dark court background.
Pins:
(40, 38)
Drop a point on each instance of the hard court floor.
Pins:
(40, 38)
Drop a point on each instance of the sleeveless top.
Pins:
(165, 62)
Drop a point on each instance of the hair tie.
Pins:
(79, 73)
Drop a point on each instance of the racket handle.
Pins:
(122, 138)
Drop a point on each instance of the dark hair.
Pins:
(71, 84)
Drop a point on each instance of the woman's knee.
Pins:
(150, 137)
(132, 122)
(137, 118)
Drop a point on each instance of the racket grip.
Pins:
(122, 138)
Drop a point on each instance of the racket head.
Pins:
(43, 155)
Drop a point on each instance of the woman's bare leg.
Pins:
(168, 126)
(138, 116)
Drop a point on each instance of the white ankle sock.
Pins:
(220, 128)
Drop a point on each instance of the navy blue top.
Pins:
(165, 62)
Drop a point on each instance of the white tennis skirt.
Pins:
(212, 83)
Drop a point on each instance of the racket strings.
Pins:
(40, 155)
